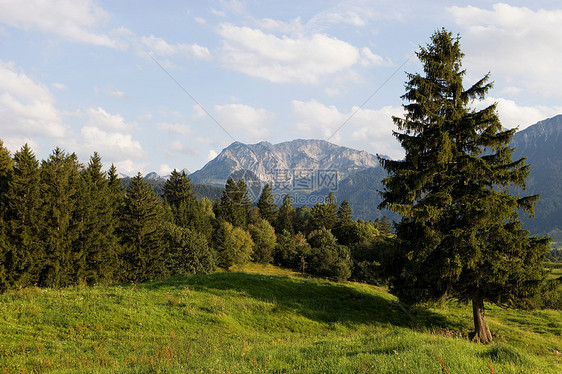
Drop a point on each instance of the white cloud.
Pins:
(316, 119)
(368, 58)
(118, 94)
(59, 86)
(517, 43)
(165, 49)
(98, 117)
(200, 20)
(212, 154)
(293, 27)
(357, 13)
(284, 59)
(72, 19)
(27, 107)
(130, 167)
(164, 170)
(178, 147)
(244, 122)
(368, 129)
(513, 115)
(178, 128)
(114, 145)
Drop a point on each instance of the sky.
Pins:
(158, 85)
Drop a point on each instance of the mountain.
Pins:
(266, 161)
(541, 143)
(153, 176)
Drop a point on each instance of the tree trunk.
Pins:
(482, 332)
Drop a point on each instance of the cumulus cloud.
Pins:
(513, 115)
(284, 59)
(162, 48)
(523, 45)
(244, 122)
(98, 117)
(368, 129)
(72, 19)
(27, 108)
(130, 167)
(178, 147)
(178, 128)
(108, 134)
(164, 169)
(212, 154)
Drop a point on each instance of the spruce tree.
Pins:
(286, 217)
(64, 263)
(235, 205)
(266, 205)
(97, 217)
(25, 251)
(460, 235)
(141, 233)
(6, 169)
(178, 192)
(324, 216)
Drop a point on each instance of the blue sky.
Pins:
(157, 85)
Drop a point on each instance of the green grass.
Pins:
(261, 319)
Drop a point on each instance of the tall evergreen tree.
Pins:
(324, 216)
(25, 252)
(286, 217)
(97, 224)
(235, 205)
(6, 169)
(266, 205)
(59, 188)
(460, 235)
(142, 234)
(178, 192)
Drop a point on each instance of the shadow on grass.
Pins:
(314, 299)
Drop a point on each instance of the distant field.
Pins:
(261, 319)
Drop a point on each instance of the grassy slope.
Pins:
(263, 319)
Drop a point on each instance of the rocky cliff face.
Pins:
(264, 159)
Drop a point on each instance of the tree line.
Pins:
(64, 223)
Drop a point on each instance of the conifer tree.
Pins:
(266, 205)
(345, 228)
(6, 169)
(141, 233)
(460, 235)
(178, 192)
(59, 189)
(97, 223)
(235, 205)
(345, 214)
(324, 216)
(286, 217)
(25, 251)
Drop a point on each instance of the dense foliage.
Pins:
(460, 235)
(64, 223)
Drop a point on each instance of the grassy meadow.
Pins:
(261, 319)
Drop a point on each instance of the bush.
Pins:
(188, 251)
(327, 258)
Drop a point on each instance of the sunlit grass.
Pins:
(261, 319)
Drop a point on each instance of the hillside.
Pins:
(263, 319)
(542, 145)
